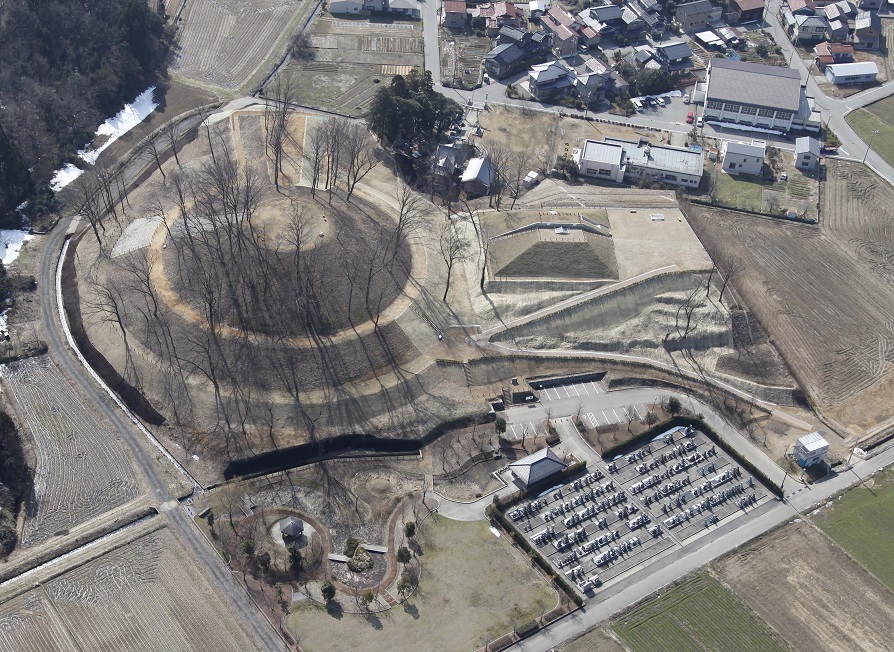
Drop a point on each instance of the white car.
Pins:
(660, 101)
(686, 99)
(699, 122)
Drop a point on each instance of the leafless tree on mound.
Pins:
(517, 165)
(361, 154)
(169, 136)
(276, 122)
(155, 151)
(499, 157)
(454, 248)
(90, 206)
(315, 154)
(411, 211)
(109, 306)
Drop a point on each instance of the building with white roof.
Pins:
(744, 158)
(810, 450)
(616, 160)
(859, 72)
(537, 467)
(807, 153)
(478, 176)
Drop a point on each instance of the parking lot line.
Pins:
(584, 387)
(566, 392)
(533, 430)
(546, 393)
(617, 417)
(595, 389)
(636, 411)
(576, 393)
(607, 420)
(514, 434)
(592, 419)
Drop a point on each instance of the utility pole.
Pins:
(875, 133)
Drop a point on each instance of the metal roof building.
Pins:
(810, 449)
(539, 466)
(860, 72)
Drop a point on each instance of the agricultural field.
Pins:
(596, 640)
(699, 614)
(823, 293)
(470, 577)
(796, 578)
(461, 56)
(81, 469)
(145, 595)
(860, 522)
(349, 58)
(224, 44)
(877, 116)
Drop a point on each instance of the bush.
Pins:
(500, 425)
(526, 629)
(403, 555)
(248, 548)
(328, 590)
(351, 546)
(361, 561)
(410, 529)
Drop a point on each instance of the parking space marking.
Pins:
(584, 387)
(567, 395)
(592, 419)
(533, 430)
(512, 428)
(607, 420)
(546, 393)
(616, 416)
(576, 393)
(638, 415)
(595, 389)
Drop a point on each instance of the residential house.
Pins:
(563, 28)
(510, 34)
(455, 14)
(802, 7)
(505, 60)
(828, 53)
(337, 7)
(593, 80)
(807, 153)
(674, 57)
(745, 11)
(653, 21)
(805, 28)
(871, 5)
(550, 81)
(447, 162)
(867, 31)
(861, 72)
(497, 14)
(633, 24)
(752, 94)
(536, 8)
(478, 176)
(694, 16)
(744, 158)
(676, 166)
(409, 8)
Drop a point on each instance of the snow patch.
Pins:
(64, 176)
(11, 243)
(129, 117)
(495, 532)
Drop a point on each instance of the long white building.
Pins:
(616, 160)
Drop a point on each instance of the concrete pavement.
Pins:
(431, 19)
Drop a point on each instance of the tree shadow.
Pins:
(412, 610)
(335, 610)
(374, 620)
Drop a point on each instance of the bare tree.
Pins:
(360, 154)
(454, 248)
(169, 134)
(517, 167)
(277, 124)
(315, 154)
(156, 155)
(499, 156)
(89, 205)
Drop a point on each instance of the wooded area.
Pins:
(67, 66)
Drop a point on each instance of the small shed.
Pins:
(807, 153)
(810, 450)
(859, 72)
(537, 467)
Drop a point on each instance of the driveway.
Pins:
(431, 19)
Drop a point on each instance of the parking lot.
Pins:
(623, 512)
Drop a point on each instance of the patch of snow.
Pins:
(64, 176)
(11, 243)
(738, 127)
(495, 532)
(129, 117)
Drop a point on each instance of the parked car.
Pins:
(783, 176)
(690, 118)
(638, 104)
(661, 101)
(651, 101)
(686, 99)
(699, 122)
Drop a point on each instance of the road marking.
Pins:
(533, 430)
(617, 417)
(514, 434)
(595, 389)
(592, 419)
(546, 393)
(638, 415)
(576, 393)
(626, 414)
(585, 390)
(607, 420)
(567, 395)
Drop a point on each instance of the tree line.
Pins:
(67, 66)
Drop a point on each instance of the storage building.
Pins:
(810, 450)
(537, 467)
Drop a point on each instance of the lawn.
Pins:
(475, 587)
(743, 191)
(877, 116)
(699, 614)
(860, 522)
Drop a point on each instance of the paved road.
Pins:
(219, 574)
(430, 24)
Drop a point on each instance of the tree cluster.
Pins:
(66, 67)
(15, 477)
(411, 110)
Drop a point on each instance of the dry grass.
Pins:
(474, 588)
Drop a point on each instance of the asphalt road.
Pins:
(431, 49)
(252, 620)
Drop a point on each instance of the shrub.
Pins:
(351, 546)
(500, 425)
(248, 547)
(526, 629)
(361, 561)
(410, 529)
(403, 555)
(328, 590)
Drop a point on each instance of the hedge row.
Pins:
(700, 425)
(497, 515)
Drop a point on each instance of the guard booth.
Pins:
(810, 450)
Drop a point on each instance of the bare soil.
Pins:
(811, 592)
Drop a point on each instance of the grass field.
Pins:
(699, 614)
(596, 640)
(860, 522)
(743, 191)
(877, 116)
(474, 588)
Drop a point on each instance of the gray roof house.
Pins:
(807, 153)
(537, 467)
(674, 57)
(867, 31)
(693, 16)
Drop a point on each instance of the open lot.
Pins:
(699, 614)
(349, 58)
(81, 468)
(223, 44)
(596, 640)
(617, 517)
(145, 595)
(823, 294)
(797, 193)
(810, 592)
(461, 56)
(877, 116)
(474, 588)
(860, 522)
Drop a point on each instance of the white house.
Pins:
(810, 449)
(807, 153)
(860, 72)
(478, 176)
(406, 7)
(345, 6)
(601, 161)
(744, 158)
